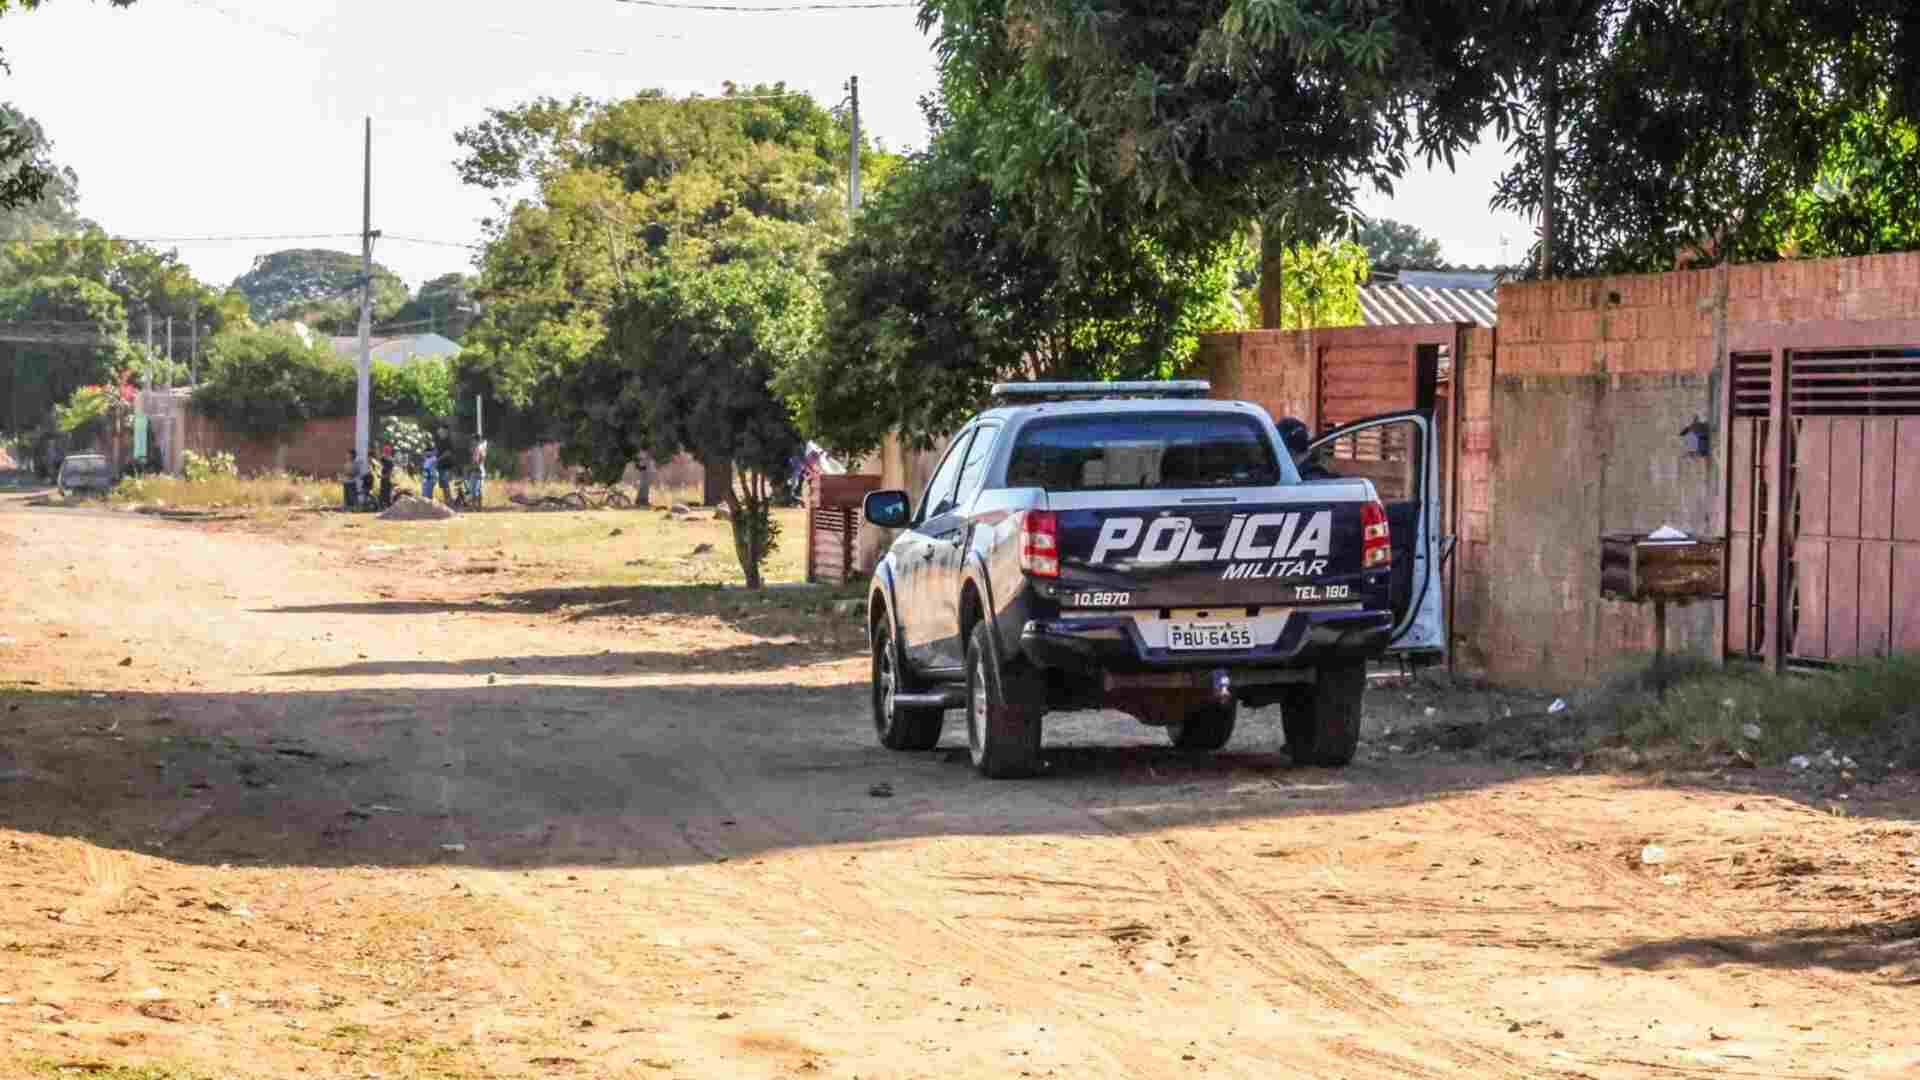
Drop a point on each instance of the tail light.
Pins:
(1040, 543)
(1376, 540)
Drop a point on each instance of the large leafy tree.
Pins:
(147, 280)
(944, 288)
(1659, 132)
(1397, 245)
(1200, 120)
(317, 286)
(590, 193)
(688, 366)
(57, 334)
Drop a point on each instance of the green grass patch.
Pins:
(1871, 708)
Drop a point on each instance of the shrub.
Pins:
(265, 383)
(407, 437)
(197, 468)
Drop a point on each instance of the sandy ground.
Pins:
(274, 808)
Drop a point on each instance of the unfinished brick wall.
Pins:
(1474, 372)
(1273, 368)
(1593, 381)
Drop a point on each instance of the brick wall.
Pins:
(1569, 425)
(1592, 382)
(1271, 367)
(318, 448)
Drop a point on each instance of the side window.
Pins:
(973, 472)
(939, 496)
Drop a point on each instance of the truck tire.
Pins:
(1322, 721)
(1204, 727)
(1003, 737)
(899, 727)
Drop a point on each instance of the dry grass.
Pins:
(261, 491)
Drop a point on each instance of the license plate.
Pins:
(1209, 635)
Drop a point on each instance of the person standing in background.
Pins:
(386, 475)
(477, 472)
(427, 473)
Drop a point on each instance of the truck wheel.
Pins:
(1003, 737)
(899, 727)
(1204, 727)
(1322, 721)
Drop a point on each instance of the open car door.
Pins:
(1397, 452)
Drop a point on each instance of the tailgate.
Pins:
(1296, 545)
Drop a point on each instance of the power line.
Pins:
(433, 243)
(232, 239)
(768, 9)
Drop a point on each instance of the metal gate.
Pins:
(1823, 500)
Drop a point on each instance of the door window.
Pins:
(1391, 453)
(939, 496)
(974, 471)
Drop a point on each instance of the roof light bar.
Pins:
(1028, 392)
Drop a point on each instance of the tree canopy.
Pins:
(944, 288)
(1200, 123)
(1395, 244)
(1703, 132)
(318, 286)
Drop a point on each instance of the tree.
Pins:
(266, 382)
(317, 286)
(61, 332)
(688, 367)
(1701, 130)
(1321, 285)
(24, 146)
(1394, 244)
(1198, 124)
(591, 193)
(444, 305)
(943, 290)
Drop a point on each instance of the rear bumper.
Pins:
(1311, 638)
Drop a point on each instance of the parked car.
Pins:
(1138, 546)
(82, 472)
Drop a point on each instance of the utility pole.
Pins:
(363, 392)
(193, 353)
(149, 372)
(853, 157)
(169, 352)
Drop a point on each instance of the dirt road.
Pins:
(275, 809)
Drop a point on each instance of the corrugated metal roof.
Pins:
(1403, 305)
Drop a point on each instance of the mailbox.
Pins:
(1638, 568)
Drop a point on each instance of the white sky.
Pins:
(189, 118)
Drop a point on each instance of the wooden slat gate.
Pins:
(1823, 491)
(833, 525)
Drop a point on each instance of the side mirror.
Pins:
(887, 509)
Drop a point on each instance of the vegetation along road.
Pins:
(307, 798)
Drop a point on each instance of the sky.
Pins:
(240, 118)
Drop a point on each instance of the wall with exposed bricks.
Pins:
(1570, 417)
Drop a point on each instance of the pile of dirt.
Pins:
(415, 508)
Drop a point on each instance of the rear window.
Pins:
(1141, 452)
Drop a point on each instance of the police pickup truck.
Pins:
(1138, 546)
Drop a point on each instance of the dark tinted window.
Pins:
(1143, 451)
